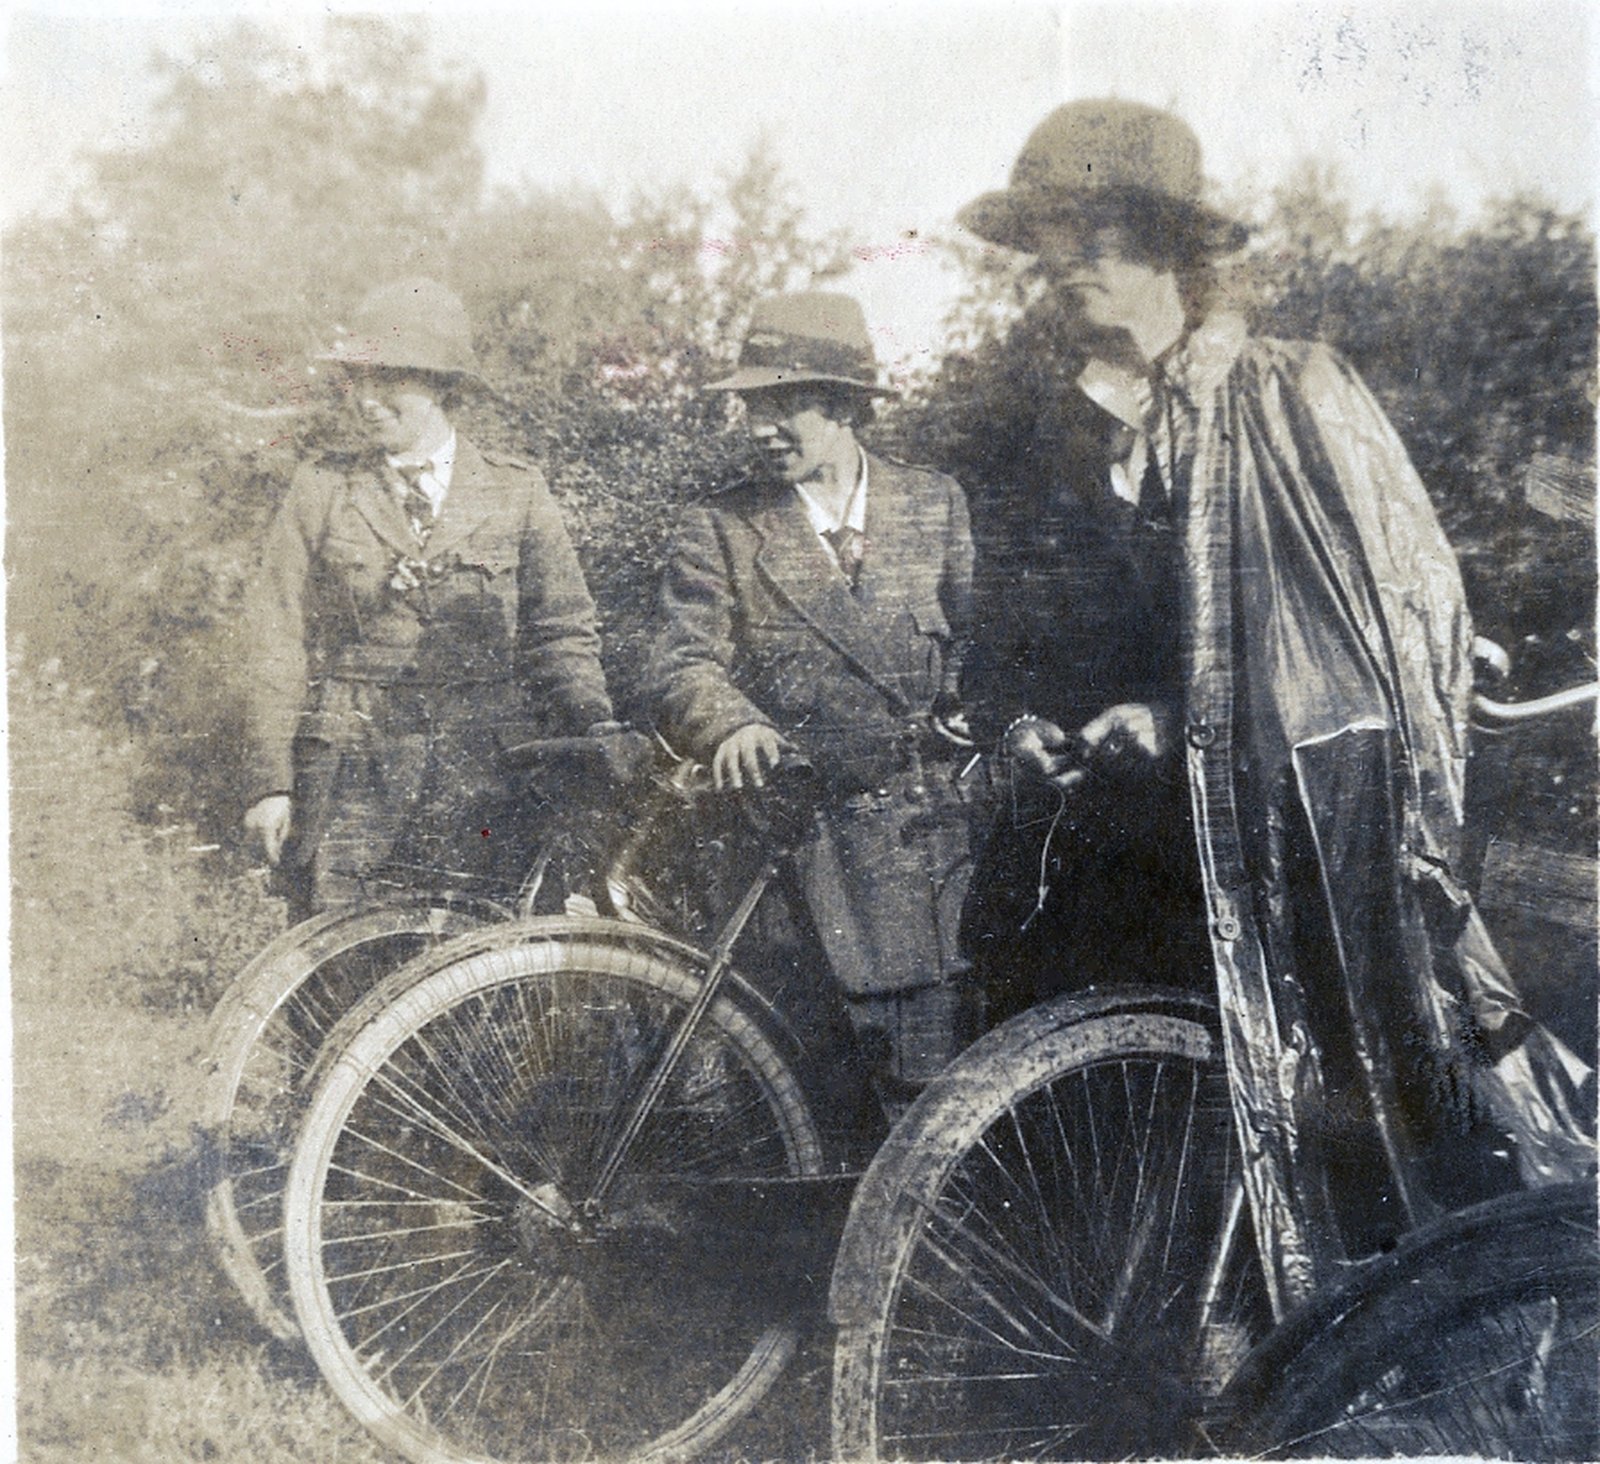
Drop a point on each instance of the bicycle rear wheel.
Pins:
(457, 1291)
(1476, 1337)
(1035, 1265)
(265, 1034)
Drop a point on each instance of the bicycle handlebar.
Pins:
(1498, 713)
(620, 757)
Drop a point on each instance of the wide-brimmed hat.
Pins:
(810, 335)
(1093, 151)
(409, 325)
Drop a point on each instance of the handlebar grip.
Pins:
(795, 768)
(527, 752)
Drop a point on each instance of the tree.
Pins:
(159, 332)
(157, 335)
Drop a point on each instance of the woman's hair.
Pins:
(848, 405)
(1163, 233)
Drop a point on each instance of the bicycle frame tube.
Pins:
(1224, 1248)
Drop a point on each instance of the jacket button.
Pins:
(1202, 734)
(1228, 928)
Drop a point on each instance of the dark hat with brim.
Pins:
(409, 325)
(811, 335)
(1089, 156)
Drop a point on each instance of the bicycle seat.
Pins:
(576, 765)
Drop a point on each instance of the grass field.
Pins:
(131, 1347)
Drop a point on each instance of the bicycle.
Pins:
(563, 1189)
(267, 1029)
(1052, 1257)
(555, 1198)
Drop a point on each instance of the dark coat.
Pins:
(758, 625)
(1078, 610)
(1382, 1068)
(381, 669)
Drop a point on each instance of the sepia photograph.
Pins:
(851, 732)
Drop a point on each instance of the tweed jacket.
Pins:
(758, 625)
(345, 595)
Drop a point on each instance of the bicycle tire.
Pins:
(264, 1036)
(1478, 1336)
(501, 1327)
(1023, 1266)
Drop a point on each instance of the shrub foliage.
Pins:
(158, 333)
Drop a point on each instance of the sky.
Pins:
(889, 115)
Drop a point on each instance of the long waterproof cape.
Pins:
(1327, 667)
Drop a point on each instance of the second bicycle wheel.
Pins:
(265, 1034)
(469, 1283)
(1045, 1261)
(1477, 1337)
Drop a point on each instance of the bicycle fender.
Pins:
(530, 930)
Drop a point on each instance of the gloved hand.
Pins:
(1039, 749)
(1130, 730)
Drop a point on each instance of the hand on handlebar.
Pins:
(1042, 751)
(746, 756)
(1128, 735)
(1130, 730)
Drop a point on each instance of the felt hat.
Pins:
(1102, 152)
(810, 335)
(409, 325)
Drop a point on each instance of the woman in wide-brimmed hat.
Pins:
(1281, 757)
(414, 593)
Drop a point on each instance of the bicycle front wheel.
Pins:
(1044, 1261)
(467, 1287)
(1476, 1337)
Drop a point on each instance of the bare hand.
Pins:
(746, 757)
(268, 819)
(1041, 750)
(1128, 729)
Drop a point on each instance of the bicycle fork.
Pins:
(1223, 1339)
(716, 968)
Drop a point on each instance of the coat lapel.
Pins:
(469, 502)
(377, 504)
(799, 571)
(888, 528)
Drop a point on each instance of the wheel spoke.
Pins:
(1043, 1296)
(454, 1288)
(281, 1010)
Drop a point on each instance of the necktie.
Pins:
(850, 545)
(1154, 502)
(417, 504)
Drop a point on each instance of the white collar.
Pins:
(1118, 390)
(437, 470)
(855, 510)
